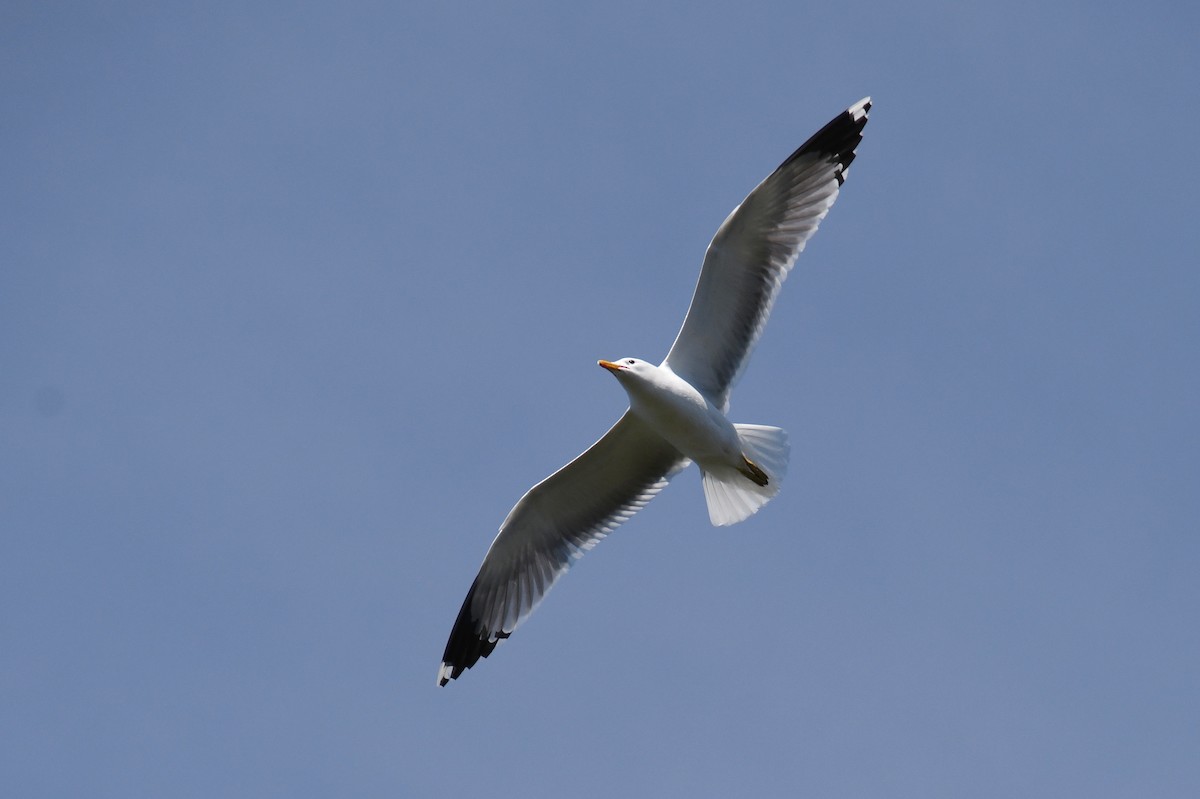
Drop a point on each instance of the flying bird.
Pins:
(677, 409)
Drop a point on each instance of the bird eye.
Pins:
(631, 362)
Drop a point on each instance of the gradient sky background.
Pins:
(295, 302)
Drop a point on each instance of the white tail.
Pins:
(731, 495)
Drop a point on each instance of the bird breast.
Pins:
(682, 415)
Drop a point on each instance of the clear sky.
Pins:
(296, 301)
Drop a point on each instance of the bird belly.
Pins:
(691, 424)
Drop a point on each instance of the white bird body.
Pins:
(731, 457)
(677, 410)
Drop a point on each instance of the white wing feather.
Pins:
(752, 252)
(553, 525)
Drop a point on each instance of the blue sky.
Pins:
(296, 301)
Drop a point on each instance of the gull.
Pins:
(677, 409)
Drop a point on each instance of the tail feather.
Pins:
(732, 495)
(766, 446)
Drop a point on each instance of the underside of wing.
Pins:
(552, 526)
(752, 252)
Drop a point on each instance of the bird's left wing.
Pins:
(753, 250)
(552, 526)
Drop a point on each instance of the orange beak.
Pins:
(610, 366)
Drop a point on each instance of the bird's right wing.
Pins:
(552, 526)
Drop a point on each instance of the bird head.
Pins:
(626, 367)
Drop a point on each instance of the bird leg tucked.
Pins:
(757, 475)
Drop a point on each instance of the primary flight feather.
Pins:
(676, 410)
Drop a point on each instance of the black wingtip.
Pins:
(839, 137)
(465, 647)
